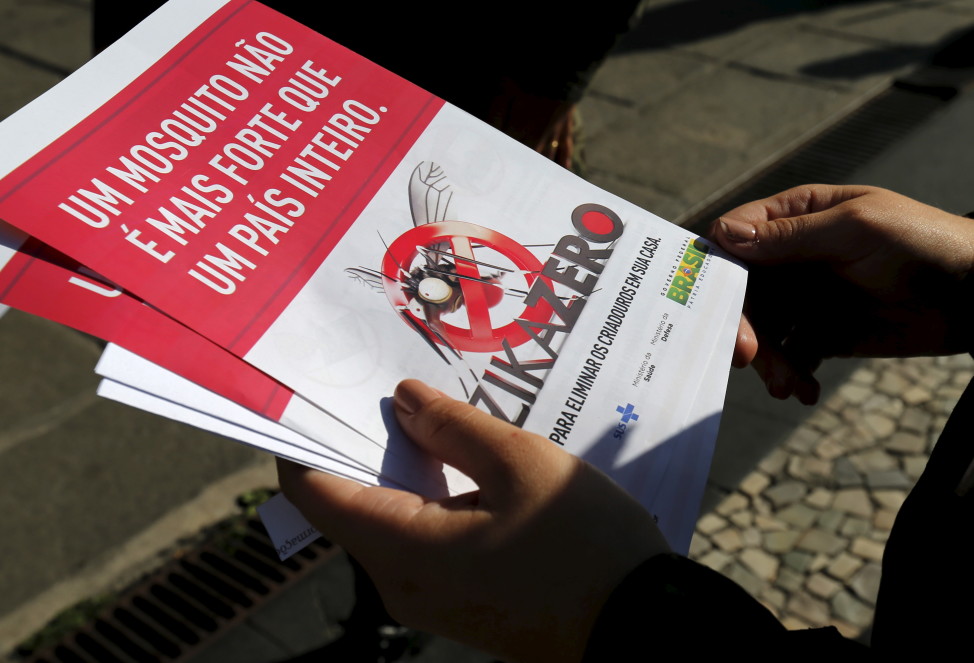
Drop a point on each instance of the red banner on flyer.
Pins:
(40, 281)
(218, 181)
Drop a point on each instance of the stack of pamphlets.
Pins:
(272, 231)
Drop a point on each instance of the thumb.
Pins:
(821, 236)
(810, 223)
(492, 452)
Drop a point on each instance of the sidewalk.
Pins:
(804, 530)
(696, 101)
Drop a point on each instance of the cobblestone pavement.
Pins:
(805, 531)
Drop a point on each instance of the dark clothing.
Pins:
(924, 602)
(465, 53)
(928, 576)
(671, 605)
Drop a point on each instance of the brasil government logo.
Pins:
(681, 285)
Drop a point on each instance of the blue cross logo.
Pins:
(627, 413)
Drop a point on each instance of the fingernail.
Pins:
(738, 231)
(411, 395)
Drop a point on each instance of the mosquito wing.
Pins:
(367, 277)
(430, 194)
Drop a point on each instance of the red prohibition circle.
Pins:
(481, 336)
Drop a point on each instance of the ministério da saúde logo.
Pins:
(628, 416)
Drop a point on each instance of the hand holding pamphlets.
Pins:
(273, 232)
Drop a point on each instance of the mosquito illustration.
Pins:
(429, 279)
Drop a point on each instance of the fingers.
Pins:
(344, 510)
(813, 223)
(746, 345)
(784, 377)
(488, 450)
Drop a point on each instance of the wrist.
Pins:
(683, 600)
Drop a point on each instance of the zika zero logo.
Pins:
(464, 288)
(451, 270)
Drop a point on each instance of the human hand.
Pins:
(847, 271)
(519, 568)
